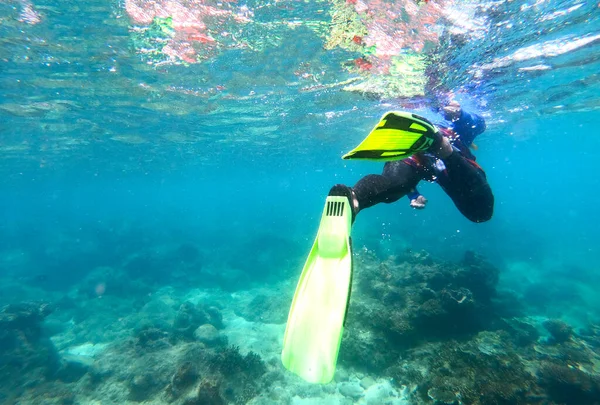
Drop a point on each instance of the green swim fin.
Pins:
(398, 135)
(316, 319)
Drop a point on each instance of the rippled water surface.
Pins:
(154, 78)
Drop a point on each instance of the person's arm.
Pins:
(466, 125)
(469, 122)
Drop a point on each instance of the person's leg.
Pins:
(466, 184)
(397, 179)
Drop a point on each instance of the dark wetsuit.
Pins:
(459, 176)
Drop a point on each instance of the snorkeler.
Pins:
(414, 149)
(449, 162)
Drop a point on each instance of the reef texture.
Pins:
(440, 330)
(419, 331)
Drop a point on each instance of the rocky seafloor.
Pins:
(419, 331)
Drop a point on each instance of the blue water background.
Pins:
(546, 208)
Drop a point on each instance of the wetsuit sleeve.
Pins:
(468, 126)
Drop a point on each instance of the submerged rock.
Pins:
(26, 317)
(567, 384)
(214, 316)
(442, 396)
(185, 376)
(351, 390)
(340, 375)
(559, 331)
(462, 369)
(522, 333)
(366, 382)
(190, 317)
(230, 362)
(142, 387)
(209, 335)
(150, 337)
(279, 394)
(26, 355)
(208, 394)
(410, 300)
(267, 309)
(72, 368)
(239, 374)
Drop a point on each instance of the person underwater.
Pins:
(413, 149)
(463, 130)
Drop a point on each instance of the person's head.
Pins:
(452, 111)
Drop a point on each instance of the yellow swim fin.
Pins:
(398, 135)
(316, 319)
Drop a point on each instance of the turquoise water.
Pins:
(162, 172)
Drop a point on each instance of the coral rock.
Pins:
(186, 375)
(141, 387)
(569, 385)
(209, 335)
(208, 394)
(190, 317)
(25, 354)
(559, 330)
(442, 396)
(73, 368)
(351, 390)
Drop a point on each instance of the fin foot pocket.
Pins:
(341, 190)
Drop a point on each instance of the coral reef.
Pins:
(183, 372)
(419, 330)
(185, 376)
(266, 309)
(474, 376)
(209, 335)
(149, 337)
(172, 364)
(439, 328)
(31, 365)
(569, 384)
(190, 317)
(230, 362)
(560, 331)
(416, 299)
(26, 355)
(209, 393)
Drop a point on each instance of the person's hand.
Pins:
(452, 111)
(419, 202)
